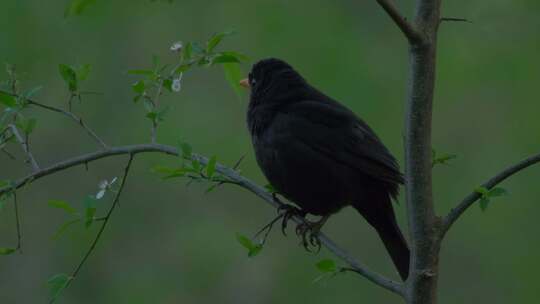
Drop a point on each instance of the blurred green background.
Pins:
(168, 243)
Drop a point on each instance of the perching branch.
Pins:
(227, 172)
(103, 225)
(24, 144)
(468, 201)
(408, 29)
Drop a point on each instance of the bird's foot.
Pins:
(309, 232)
(288, 212)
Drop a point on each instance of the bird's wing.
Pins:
(334, 131)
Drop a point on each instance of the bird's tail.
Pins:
(380, 215)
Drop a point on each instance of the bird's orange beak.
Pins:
(245, 83)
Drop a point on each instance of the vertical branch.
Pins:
(423, 223)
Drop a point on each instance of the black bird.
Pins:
(320, 155)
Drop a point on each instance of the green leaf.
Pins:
(186, 150)
(83, 71)
(211, 167)
(187, 51)
(57, 283)
(253, 249)
(90, 204)
(497, 192)
(62, 205)
(182, 68)
(442, 159)
(77, 7)
(69, 76)
(7, 251)
(167, 84)
(224, 59)
(155, 62)
(481, 190)
(270, 188)
(244, 241)
(326, 265)
(8, 100)
(484, 202)
(138, 87)
(64, 227)
(216, 39)
(237, 55)
(233, 76)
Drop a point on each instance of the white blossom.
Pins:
(176, 85)
(176, 47)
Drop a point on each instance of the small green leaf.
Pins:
(270, 188)
(167, 84)
(83, 71)
(139, 87)
(211, 167)
(57, 283)
(7, 251)
(90, 204)
(186, 150)
(497, 192)
(244, 241)
(326, 265)
(481, 190)
(233, 76)
(216, 39)
(484, 202)
(182, 68)
(76, 7)
(7, 100)
(155, 62)
(253, 249)
(186, 51)
(224, 59)
(62, 205)
(64, 227)
(69, 76)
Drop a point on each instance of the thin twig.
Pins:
(230, 174)
(69, 114)
(105, 221)
(73, 117)
(17, 221)
(451, 19)
(468, 201)
(25, 146)
(408, 29)
(156, 104)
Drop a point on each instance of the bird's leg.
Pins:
(310, 231)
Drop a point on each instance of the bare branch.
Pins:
(105, 221)
(451, 19)
(408, 29)
(24, 143)
(468, 201)
(231, 174)
(73, 117)
(17, 221)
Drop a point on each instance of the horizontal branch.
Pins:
(468, 201)
(226, 171)
(408, 29)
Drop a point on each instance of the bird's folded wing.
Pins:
(337, 133)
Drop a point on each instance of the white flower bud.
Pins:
(176, 47)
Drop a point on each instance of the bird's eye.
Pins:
(253, 81)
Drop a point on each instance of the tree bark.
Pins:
(423, 222)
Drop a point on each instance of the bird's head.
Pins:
(272, 79)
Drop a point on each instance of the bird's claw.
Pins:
(288, 212)
(309, 232)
